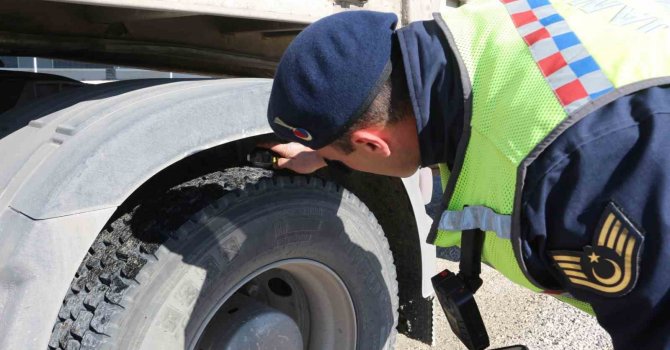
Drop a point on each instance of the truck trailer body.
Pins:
(109, 194)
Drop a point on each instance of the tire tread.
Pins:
(125, 246)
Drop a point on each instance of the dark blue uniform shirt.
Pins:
(619, 153)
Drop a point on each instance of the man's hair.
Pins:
(390, 106)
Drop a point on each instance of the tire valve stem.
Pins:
(262, 158)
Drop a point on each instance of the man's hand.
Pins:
(296, 157)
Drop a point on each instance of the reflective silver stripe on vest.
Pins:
(480, 217)
(567, 66)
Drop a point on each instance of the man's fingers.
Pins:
(292, 164)
(267, 144)
(289, 150)
(294, 156)
(282, 162)
(282, 149)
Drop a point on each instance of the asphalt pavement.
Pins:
(514, 315)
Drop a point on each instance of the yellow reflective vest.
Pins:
(534, 68)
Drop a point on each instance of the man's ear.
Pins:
(371, 141)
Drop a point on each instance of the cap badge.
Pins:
(297, 132)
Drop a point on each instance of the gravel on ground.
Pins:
(514, 315)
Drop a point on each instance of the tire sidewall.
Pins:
(241, 233)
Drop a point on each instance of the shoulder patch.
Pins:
(610, 266)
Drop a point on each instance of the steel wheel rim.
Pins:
(331, 310)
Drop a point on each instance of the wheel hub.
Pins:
(249, 324)
(290, 304)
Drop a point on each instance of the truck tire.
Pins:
(232, 260)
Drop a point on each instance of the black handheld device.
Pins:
(262, 158)
(455, 293)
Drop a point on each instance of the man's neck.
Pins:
(435, 91)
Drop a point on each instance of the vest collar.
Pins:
(434, 89)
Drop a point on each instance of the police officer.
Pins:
(550, 121)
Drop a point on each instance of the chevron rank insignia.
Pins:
(610, 266)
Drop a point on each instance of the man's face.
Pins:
(391, 151)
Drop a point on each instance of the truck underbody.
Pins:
(241, 38)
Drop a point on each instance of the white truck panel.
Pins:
(93, 154)
(37, 264)
(299, 11)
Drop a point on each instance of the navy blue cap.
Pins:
(329, 75)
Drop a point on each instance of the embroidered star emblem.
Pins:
(610, 265)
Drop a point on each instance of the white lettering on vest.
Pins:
(590, 6)
(625, 15)
(656, 24)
